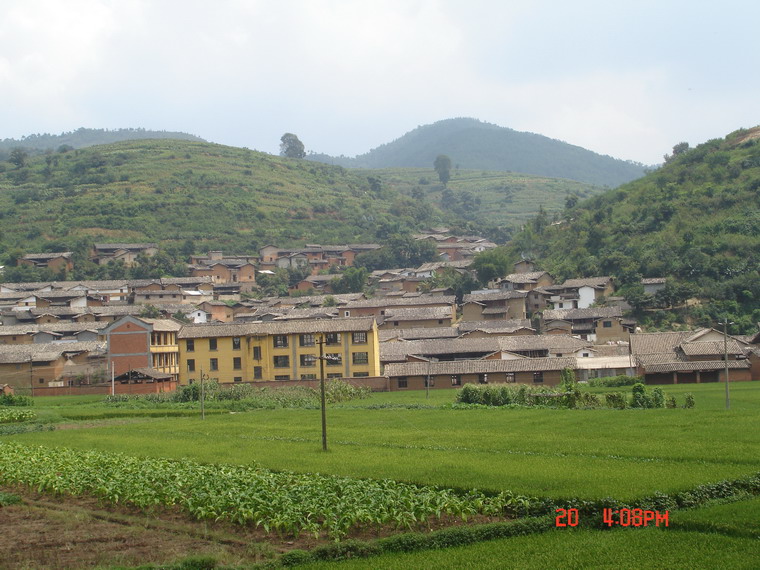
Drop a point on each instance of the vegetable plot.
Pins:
(281, 502)
(9, 415)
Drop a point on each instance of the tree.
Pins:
(442, 166)
(291, 146)
(353, 280)
(18, 157)
(491, 264)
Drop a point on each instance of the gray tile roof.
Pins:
(479, 366)
(694, 365)
(420, 333)
(398, 351)
(578, 314)
(711, 348)
(496, 295)
(387, 302)
(19, 353)
(551, 342)
(277, 327)
(494, 325)
(419, 314)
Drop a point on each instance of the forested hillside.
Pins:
(696, 221)
(474, 145)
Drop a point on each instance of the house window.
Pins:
(395, 323)
(280, 341)
(429, 381)
(235, 343)
(237, 379)
(237, 363)
(257, 373)
(257, 353)
(281, 361)
(191, 365)
(332, 338)
(361, 374)
(282, 377)
(190, 344)
(359, 337)
(306, 340)
(607, 324)
(538, 377)
(360, 357)
(335, 375)
(334, 359)
(308, 360)
(212, 344)
(482, 378)
(308, 376)
(214, 364)
(403, 382)
(509, 376)
(456, 379)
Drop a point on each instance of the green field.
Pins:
(544, 453)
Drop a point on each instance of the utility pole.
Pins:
(321, 343)
(725, 357)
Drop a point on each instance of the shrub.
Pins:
(689, 403)
(614, 381)
(658, 398)
(639, 396)
(616, 400)
(12, 400)
(670, 402)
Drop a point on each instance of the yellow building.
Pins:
(279, 350)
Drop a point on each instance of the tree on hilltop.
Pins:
(291, 146)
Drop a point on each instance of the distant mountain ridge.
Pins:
(473, 144)
(82, 138)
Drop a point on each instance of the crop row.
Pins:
(284, 502)
(10, 415)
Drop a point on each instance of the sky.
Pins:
(626, 78)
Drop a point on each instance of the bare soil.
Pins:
(65, 532)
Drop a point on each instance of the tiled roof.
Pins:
(124, 245)
(695, 365)
(43, 256)
(277, 327)
(418, 333)
(60, 327)
(398, 351)
(577, 314)
(387, 302)
(496, 295)
(479, 366)
(711, 348)
(163, 325)
(554, 342)
(658, 343)
(653, 281)
(531, 277)
(586, 282)
(419, 314)
(494, 325)
(19, 353)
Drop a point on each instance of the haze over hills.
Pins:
(695, 221)
(475, 145)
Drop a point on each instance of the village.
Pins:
(152, 335)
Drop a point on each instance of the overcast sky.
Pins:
(624, 78)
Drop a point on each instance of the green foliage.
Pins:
(615, 381)
(240, 397)
(291, 146)
(352, 280)
(14, 400)
(695, 220)
(400, 250)
(442, 166)
(11, 415)
(492, 264)
(689, 401)
(276, 502)
(7, 499)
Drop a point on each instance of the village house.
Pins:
(224, 269)
(379, 306)
(60, 261)
(597, 324)
(417, 317)
(143, 344)
(491, 304)
(580, 293)
(691, 357)
(102, 253)
(442, 375)
(27, 367)
(279, 351)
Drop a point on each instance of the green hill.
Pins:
(696, 221)
(475, 145)
(237, 199)
(81, 138)
(172, 191)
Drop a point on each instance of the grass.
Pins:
(620, 548)
(554, 453)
